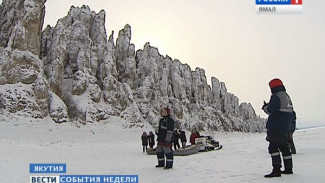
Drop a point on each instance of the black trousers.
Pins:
(144, 148)
(275, 149)
(176, 145)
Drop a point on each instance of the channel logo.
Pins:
(85, 179)
(278, 6)
(44, 179)
(50, 168)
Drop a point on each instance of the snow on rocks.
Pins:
(58, 110)
(82, 76)
(186, 92)
(125, 61)
(24, 90)
(20, 99)
(21, 24)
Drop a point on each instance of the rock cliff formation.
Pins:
(72, 71)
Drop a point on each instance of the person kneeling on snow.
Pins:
(165, 133)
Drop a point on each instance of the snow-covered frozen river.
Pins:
(109, 149)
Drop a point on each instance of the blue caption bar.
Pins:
(99, 178)
(47, 168)
(273, 2)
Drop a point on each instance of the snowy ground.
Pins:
(109, 149)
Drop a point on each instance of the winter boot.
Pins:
(274, 173)
(159, 166)
(287, 171)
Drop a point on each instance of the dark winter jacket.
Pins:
(176, 137)
(144, 139)
(280, 111)
(165, 131)
(151, 139)
(183, 136)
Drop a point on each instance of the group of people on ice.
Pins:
(177, 137)
(166, 137)
(147, 139)
(280, 127)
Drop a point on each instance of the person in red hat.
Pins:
(165, 134)
(280, 111)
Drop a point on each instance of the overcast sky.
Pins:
(230, 41)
